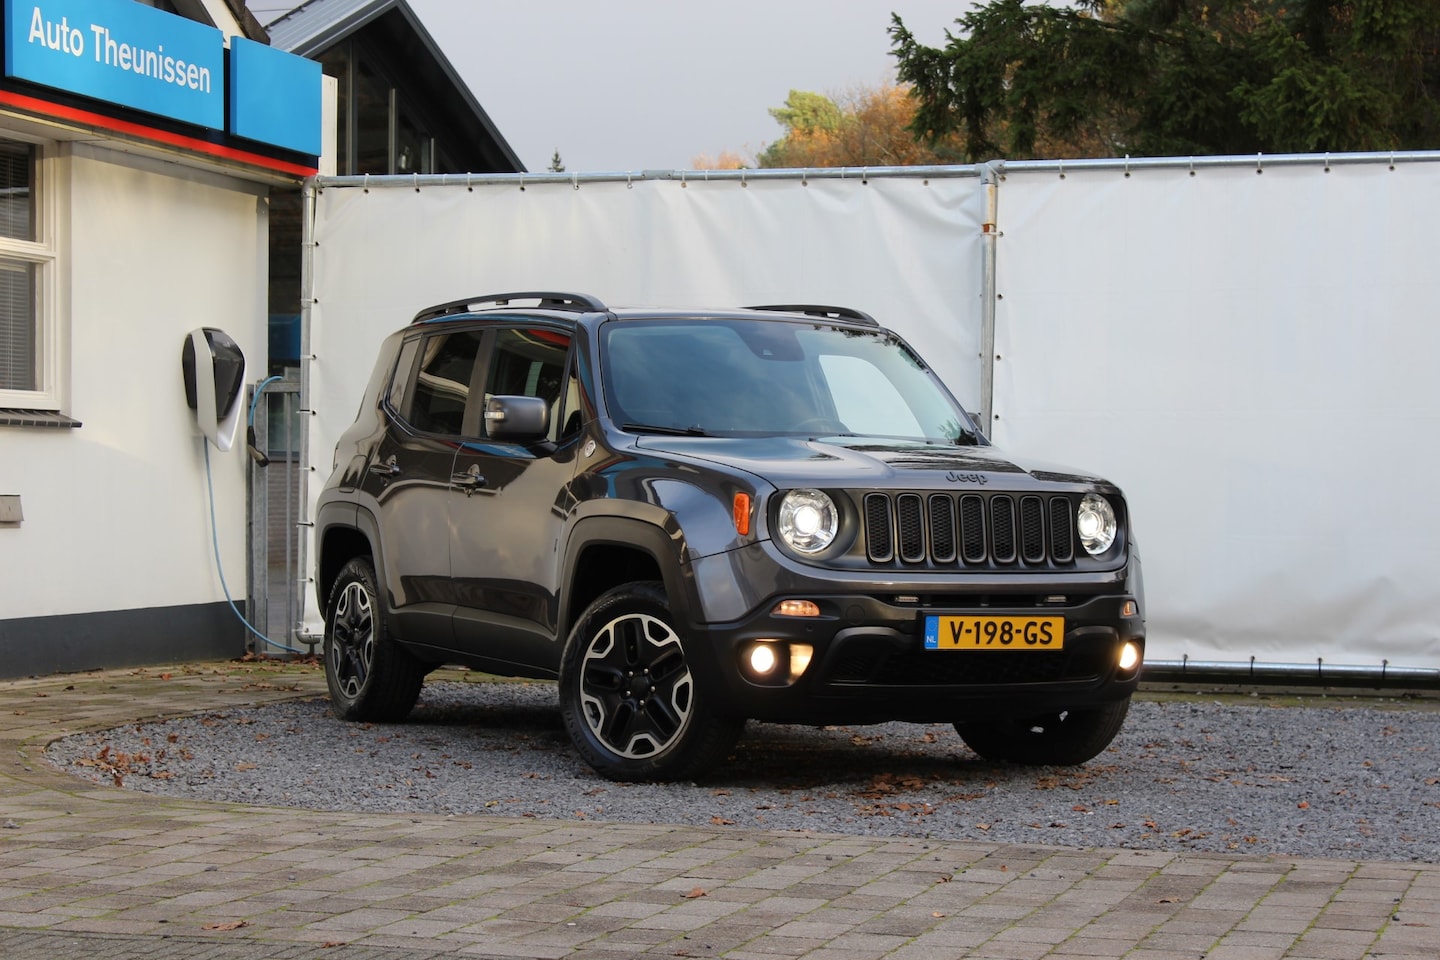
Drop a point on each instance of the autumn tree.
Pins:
(727, 160)
(866, 127)
(1179, 77)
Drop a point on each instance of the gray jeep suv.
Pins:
(692, 518)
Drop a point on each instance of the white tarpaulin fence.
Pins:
(1245, 352)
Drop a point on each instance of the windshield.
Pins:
(772, 377)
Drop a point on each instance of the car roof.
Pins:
(559, 305)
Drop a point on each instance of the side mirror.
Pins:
(517, 418)
(214, 370)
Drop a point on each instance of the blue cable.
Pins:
(215, 531)
(255, 400)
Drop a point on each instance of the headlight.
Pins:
(1095, 522)
(808, 520)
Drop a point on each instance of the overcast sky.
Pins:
(620, 85)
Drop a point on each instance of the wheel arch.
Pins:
(343, 532)
(604, 552)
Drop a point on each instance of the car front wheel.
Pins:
(1063, 738)
(369, 675)
(630, 701)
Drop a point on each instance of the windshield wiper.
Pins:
(667, 431)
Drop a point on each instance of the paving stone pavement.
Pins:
(107, 874)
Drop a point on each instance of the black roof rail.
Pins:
(816, 310)
(548, 300)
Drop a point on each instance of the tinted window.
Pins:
(442, 382)
(531, 363)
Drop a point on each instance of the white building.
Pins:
(141, 146)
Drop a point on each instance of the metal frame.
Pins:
(259, 480)
(992, 175)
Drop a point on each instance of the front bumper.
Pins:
(868, 662)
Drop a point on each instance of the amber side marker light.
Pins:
(796, 608)
(741, 507)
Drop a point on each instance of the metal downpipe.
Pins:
(304, 522)
(990, 176)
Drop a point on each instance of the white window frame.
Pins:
(43, 252)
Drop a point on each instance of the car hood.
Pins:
(870, 462)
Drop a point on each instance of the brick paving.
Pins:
(102, 873)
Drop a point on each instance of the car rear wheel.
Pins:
(1064, 738)
(630, 701)
(369, 675)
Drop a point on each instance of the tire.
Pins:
(369, 675)
(1066, 738)
(631, 704)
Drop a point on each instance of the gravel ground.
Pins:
(1347, 781)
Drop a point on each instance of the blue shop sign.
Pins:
(274, 97)
(121, 52)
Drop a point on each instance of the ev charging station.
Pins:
(213, 366)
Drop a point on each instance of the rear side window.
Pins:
(436, 401)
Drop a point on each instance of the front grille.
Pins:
(971, 529)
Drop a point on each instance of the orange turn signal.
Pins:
(742, 514)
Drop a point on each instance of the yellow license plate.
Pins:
(994, 633)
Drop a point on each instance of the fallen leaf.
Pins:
(242, 766)
(937, 915)
(695, 893)
(721, 821)
(227, 925)
(1303, 804)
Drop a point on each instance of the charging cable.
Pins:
(262, 460)
(250, 443)
(215, 542)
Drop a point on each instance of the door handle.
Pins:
(469, 481)
(388, 468)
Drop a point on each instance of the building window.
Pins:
(29, 362)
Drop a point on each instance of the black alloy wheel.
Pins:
(631, 703)
(369, 675)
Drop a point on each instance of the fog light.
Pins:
(1129, 608)
(800, 655)
(762, 659)
(1129, 656)
(796, 608)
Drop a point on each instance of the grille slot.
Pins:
(1032, 530)
(879, 538)
(1002, 529)
(1062, 529)
(971, 529)
(942, 528)
(910, 523)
